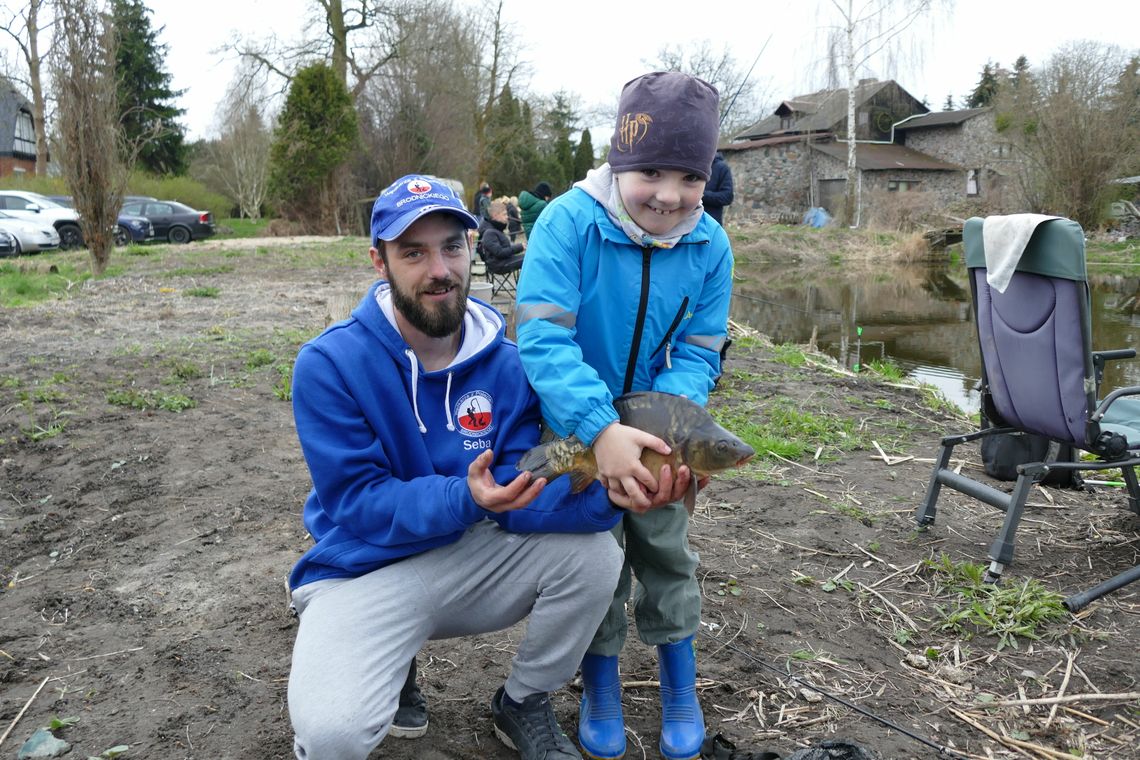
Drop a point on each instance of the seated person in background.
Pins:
(496, 248)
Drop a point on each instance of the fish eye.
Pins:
(722, 445)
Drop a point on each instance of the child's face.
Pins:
(658, 199)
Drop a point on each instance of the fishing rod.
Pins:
(945, 751)
(744, 81)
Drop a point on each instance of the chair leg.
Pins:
(1001, 551)
(929, 508)
(1129, 474)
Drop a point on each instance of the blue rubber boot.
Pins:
(682, 724)
(601, 728)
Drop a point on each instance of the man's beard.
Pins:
(438, 322)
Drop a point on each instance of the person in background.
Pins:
(718, 190)
(499, 253)
(626, 287)
(410, 414)
(483, 201)
(531, 204)
(514, 218)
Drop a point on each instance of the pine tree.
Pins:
(584, 156)
(559, 154)
(510, 142)
(986, 88)
(146, 108)
(316, 132)
(949, 104)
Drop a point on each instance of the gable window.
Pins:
(25, 140)
(972, 182)
(786, 122)
(901, 185)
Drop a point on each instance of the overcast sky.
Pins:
(621, 36)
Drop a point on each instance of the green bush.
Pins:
(181, 189)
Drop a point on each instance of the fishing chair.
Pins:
(1040, 376)
(503, 281)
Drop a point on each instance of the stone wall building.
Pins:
(794, 159)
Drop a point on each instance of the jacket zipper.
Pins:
(667, 341)
(639, 325)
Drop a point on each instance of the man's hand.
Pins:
(496, 498)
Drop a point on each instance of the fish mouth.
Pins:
(744, 459)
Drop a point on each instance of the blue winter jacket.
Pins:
(388, 444)
(599, 316)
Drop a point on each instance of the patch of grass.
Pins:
(242, 228)
(144, 399)
(785, 428)
(24, 284)
(259, 357)
(202, 292)
(199, 271)
(283, 388)
(933, 399)
(886, 369)
(1008, 611)
(182, 371)
(789, 354)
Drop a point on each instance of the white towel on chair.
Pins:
(1004, 239)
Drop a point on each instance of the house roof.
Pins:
(939, 119)
(820, 111)
(879, 157)
(763, 142)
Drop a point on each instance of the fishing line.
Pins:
(850, 705)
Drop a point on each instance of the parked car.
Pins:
(133, 229)
(172, 220)
(36, 207)
(7, 244)
(128, 227)
(29, 236)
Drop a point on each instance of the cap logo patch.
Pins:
(474, 414)
(634, 127)
(419, 186)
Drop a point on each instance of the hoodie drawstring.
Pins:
(415, 393)
(415, 387)
(447, 403)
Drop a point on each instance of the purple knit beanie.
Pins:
(666, 120)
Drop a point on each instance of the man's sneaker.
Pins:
(531, 728)
(411, 721)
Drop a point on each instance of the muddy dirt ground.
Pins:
(144, 550)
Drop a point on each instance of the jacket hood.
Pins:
(483, 328)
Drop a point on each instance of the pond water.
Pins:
(917, 316)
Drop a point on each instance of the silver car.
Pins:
(29, 236)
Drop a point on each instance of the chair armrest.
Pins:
(1102, 407)
(1116, 353)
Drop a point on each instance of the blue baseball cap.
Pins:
(410, 197)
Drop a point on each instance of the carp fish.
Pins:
(694, 436)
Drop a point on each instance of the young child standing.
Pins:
(626, 287)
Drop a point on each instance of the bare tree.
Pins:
(237, 162)
(867, 28)
(742, 98)
(83, 70)
(354, 36)
(1075, 123)
(24, 26)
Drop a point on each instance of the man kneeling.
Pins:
(410, 413)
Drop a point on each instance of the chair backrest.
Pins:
(1036, 337)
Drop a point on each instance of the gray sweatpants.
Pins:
(357, 636)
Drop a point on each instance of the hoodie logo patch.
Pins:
(474, 413)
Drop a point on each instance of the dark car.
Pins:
(173, 221)
(128, 227)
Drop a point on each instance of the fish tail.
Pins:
(538, 462)
(580, 481)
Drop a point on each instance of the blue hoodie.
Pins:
(388, 444)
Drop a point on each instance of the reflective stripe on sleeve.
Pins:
(711, 342)
(551, 313)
